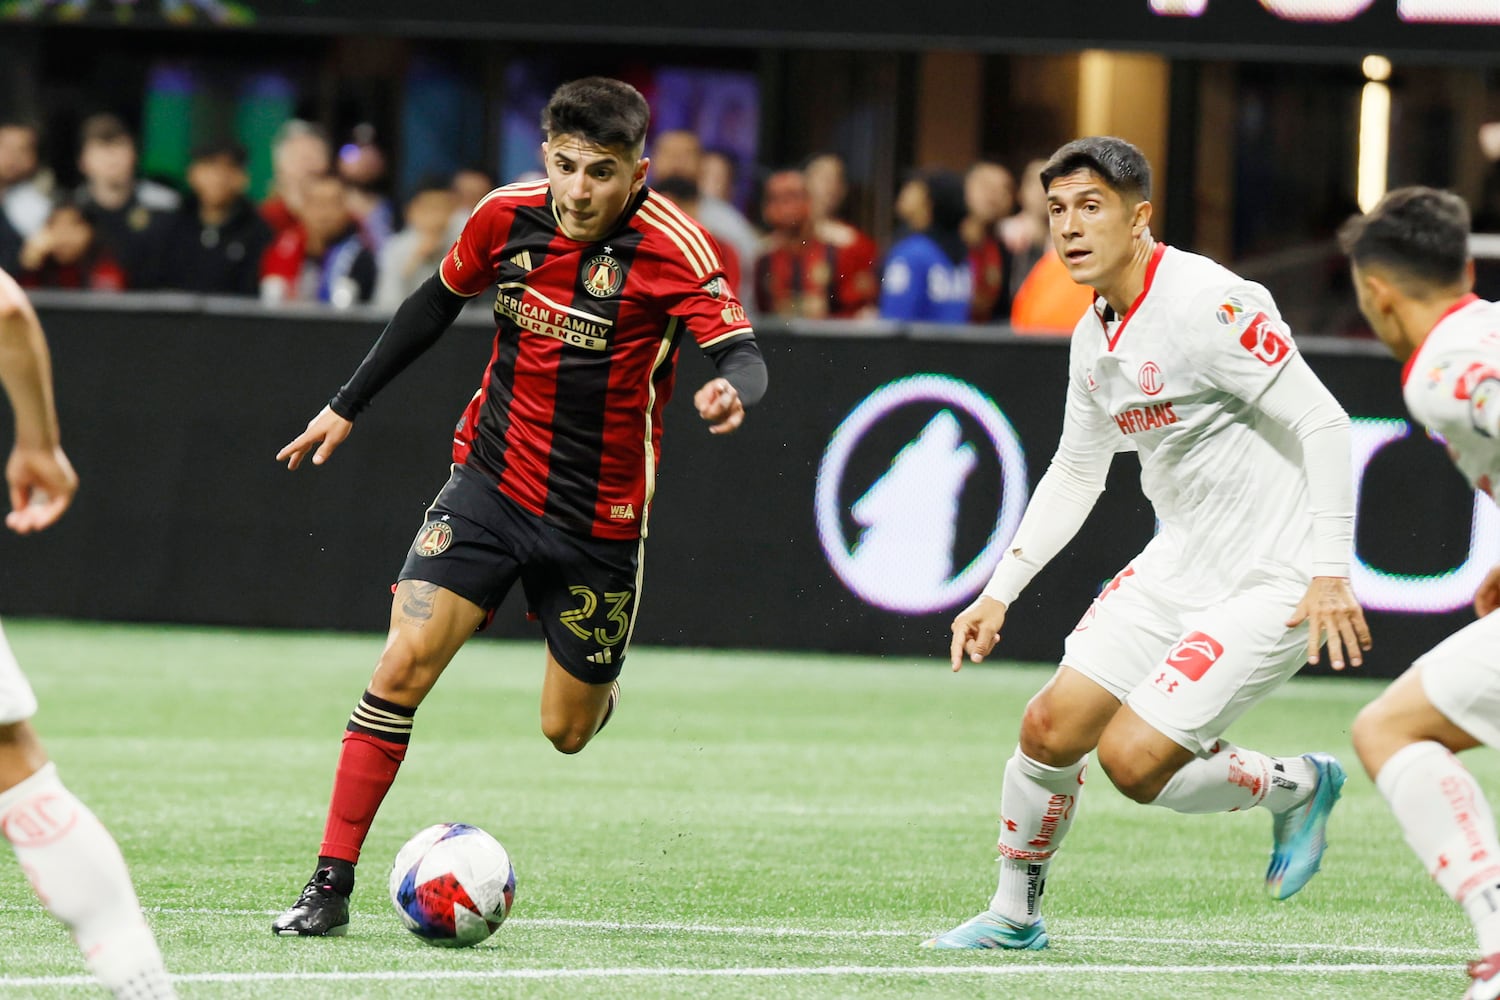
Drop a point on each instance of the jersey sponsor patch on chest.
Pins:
(1146, 418)
(530, 310)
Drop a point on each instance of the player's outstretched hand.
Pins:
(1330, 610)
(718, 402)
(976, 630)
(326, 432)
(42, 484)
(1487, 597)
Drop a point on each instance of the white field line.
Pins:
(761, 930)
(477, 975)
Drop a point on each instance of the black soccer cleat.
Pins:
(321, 911)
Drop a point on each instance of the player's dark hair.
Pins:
(1419, 232)
(1115, 161)
(599, 110)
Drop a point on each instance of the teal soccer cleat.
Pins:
(1299, 834)
(990, 930)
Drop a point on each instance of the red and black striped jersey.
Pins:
(567, 421)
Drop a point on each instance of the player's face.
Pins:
(1094, 229)
(591, 185)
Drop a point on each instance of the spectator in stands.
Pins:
(300, 153)
(716, 175)
(684, 194)
(926, 277)
(66, 253)
(412, 256)
(130, 215)
(323, 260)
(1025, 233)
(25, 189)
(990, 195)
(361, 164)
(827, 190)
(1049, 301)
(470, 184)
(798, 275)
(217, 238)
(678, 153)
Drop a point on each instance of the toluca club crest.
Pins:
(602, 276)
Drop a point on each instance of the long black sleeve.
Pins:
(417, 325)
(743, 366)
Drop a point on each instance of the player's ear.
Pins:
(1379, 291)
(1140, 219)
(1469, 275)
(544, 151)
(641, 166)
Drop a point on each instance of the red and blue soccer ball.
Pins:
(452, 885)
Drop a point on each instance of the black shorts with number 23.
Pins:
(477, 542)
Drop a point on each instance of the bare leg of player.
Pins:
(1407, 746)
(429, 625)
(573, 711)
(76, 869)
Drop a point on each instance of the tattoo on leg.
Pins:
(416, 602)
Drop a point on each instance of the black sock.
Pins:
(343, 874)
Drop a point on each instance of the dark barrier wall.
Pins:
(173, 419)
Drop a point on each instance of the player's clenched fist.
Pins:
(976, 630)
(718, 402)
(326, 431)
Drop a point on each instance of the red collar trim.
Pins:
(1151, 265)
(1411, 362)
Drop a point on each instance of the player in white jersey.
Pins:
(1414, 279)
(69, 857)
(1245, 457)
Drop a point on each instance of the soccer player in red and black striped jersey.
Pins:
(555, 458)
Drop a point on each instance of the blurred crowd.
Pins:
(968, 248)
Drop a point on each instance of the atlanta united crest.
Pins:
(602, 276)
(434, 538)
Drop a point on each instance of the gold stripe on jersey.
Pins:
(521, 189)
(662, 353)
(685, 225)
(640, 572)
(737, 331)
(700, 266)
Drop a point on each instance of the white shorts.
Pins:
(1461, 677)
(17, 703)
(1189, 671)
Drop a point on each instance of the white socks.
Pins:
(76, 869)
(1234, 778)
(1037, 806)
(1448, 823)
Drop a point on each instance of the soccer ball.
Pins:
(452, 885)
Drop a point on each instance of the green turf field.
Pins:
(749, 826)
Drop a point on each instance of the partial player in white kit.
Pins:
(1414, 279)
(69, 857)
(1245, 458)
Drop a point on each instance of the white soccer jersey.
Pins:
(1452, 385)
(1176, 380)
